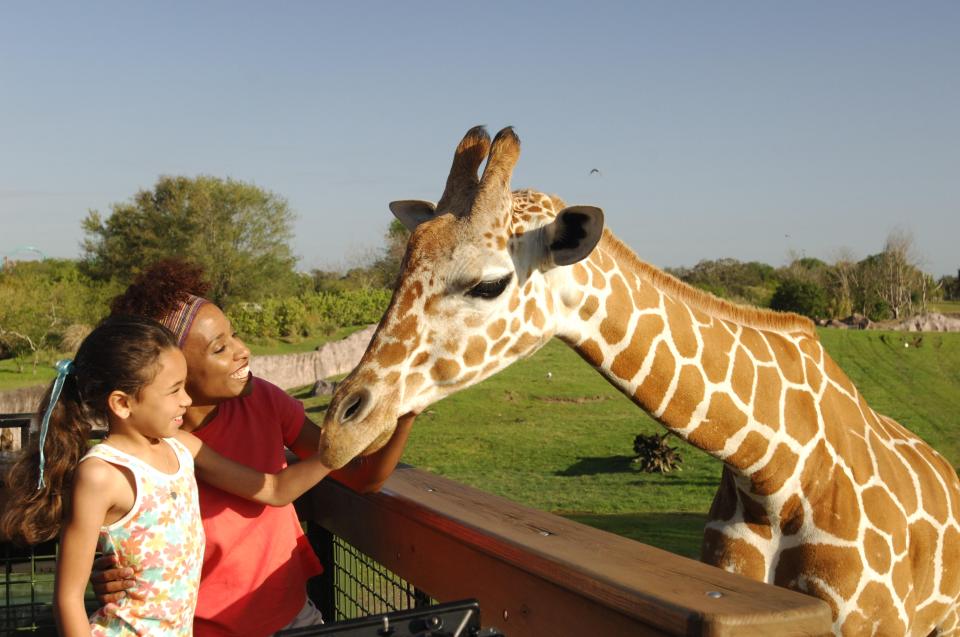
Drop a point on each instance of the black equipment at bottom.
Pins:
(452, 619)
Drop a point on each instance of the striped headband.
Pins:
(179, 320)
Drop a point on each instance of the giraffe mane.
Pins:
(704, 301)
(699, 299)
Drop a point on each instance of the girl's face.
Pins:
(218, 362)
(157, 409)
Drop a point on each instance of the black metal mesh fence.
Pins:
(354, 585)
(28, 589)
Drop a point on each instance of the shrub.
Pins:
(291, 317)
(654, 455)
(308, 314)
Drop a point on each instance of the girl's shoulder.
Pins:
(99, 473)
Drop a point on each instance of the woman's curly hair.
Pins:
(159, 289)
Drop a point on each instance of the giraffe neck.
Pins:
(700, 366)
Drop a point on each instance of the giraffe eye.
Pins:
(489, 289)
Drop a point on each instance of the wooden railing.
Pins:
(537, 574)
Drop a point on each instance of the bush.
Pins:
(348, 307)
(654, 455)
(291, 317)
(245, 318)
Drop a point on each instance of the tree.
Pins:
(237, 231)
(800, 296)
(898, 281)
(395, 247)
(751, 282)
(41, 301)
(951, 287)
(842, 281)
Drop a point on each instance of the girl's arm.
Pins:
(93, 495)
(267, 488)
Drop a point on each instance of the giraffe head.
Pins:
(478, 289)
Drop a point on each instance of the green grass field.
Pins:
(11, 377)
(564, 444)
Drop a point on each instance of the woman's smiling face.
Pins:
(218, 363)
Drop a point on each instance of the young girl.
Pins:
(134, 495)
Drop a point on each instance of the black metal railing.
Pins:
(20, 423)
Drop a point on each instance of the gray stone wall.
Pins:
(295, 370)
(22, 400)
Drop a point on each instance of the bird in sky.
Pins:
(595, 171)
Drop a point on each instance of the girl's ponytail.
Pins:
(34, 511)
(119, 354)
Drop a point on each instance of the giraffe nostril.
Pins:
(354, 405)
(351, 408)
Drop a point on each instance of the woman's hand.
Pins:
(366, 474)
(111, 584)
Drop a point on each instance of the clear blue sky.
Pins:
(734, 129)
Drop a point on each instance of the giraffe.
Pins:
(818, 492)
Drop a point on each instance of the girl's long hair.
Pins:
(120, 354)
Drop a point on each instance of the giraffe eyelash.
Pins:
(490, 289)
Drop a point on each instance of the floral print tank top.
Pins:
(161, 539)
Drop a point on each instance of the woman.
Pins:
(257, 558)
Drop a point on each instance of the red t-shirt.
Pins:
(257, 559)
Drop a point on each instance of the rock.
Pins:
(858, 321)
(323, 388)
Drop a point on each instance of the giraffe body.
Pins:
(819, 493)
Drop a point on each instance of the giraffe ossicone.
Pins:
(818, 493)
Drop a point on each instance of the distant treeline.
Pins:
(882, 286)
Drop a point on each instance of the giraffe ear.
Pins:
(412, 212)
(573, 234)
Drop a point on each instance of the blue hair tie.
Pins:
(64, 368)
